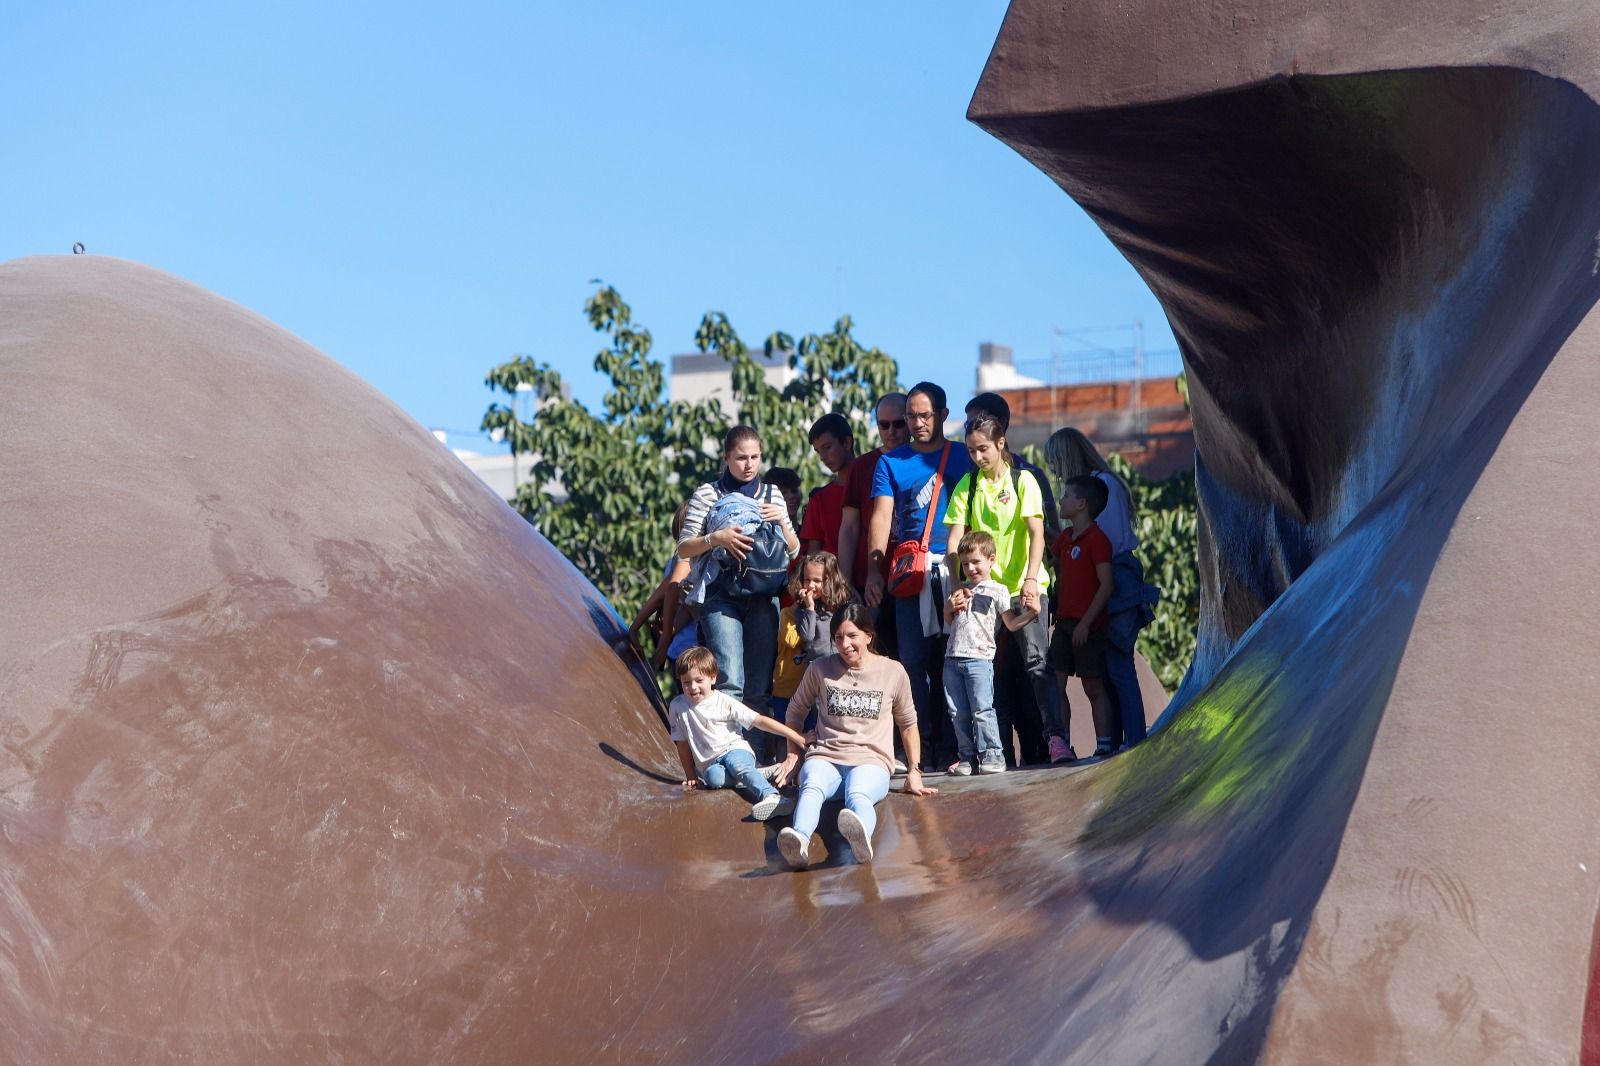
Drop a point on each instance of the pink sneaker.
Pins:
(1059, 752)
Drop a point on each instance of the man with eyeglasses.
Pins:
(902, 503)
(890, 413)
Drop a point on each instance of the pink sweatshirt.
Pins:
(857, 710)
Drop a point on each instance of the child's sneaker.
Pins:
(855, 834)
(1059, 752)
(794, 847)
(771, 804)
(992, 762)
(960, 768)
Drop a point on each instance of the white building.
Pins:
(997, 370)
(697, 376)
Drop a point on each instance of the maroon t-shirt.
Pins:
(1075, 562)
(858, 494)
(821, 519)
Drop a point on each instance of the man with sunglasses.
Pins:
(890, 413)
(903, 505)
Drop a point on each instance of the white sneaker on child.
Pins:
(992, 762)
(765, 807)
(794, 847)
(855, 834)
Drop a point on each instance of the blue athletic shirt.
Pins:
(907, 475)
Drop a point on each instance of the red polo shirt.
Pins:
(858, 494)
(1076, 558)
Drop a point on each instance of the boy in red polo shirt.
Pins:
(1083, 561)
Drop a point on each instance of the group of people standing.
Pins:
(918, 599)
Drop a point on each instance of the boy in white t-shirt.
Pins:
(973, 612)
(706, 728)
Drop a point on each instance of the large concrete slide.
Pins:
(312, 750)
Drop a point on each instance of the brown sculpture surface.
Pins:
(1371, 230)
(314, 751)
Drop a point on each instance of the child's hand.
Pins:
(806, 599)
(959, 599)
(690, 784)
(1080, 634)
(771, 512)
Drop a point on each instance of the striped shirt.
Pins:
(694, 518)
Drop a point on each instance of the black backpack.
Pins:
(765, 567)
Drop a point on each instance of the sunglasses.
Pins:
(898, 423)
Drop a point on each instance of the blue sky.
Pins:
(423, 193)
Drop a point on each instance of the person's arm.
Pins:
(911, 743)
(952, 557)
(655, 603)
(805, 622)
(805, 694)
(779, 513)
(1015, 619)
(1030, 576)
(691, 778)
(878, 546)
(1080, 632)
(849, 533)
(778, 729)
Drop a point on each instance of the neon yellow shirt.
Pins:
(1002, 512)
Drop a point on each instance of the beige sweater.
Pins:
(857, 710)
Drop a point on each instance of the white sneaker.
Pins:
(898, 768)
(794, 847)
(855, 834)
(768, 770)
(765, 807)
(960, 768)
(992, 763)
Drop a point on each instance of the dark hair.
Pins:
(990, 403)
(991, 426)
(933, 392)
(737, 436)
(784, 478)
(1091, 488)
(857, 614)
(835, 425)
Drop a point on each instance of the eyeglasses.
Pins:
(920, 416)
(894, 423)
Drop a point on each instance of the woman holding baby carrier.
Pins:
(737, 534)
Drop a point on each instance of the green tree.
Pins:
(1166, 518)
(603, 485)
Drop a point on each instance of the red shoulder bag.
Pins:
(908, 566)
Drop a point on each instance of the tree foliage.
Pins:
(1167, 522)
(604, 485)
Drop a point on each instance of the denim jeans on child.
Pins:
(736, 769)
(820, 780)
(969, 692)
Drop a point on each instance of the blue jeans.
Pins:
(969, 693)
(1123, 681)
(742, 632)
(737, 770)
(923, 658)
(821, 780)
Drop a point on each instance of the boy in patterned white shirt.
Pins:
(973, 612)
